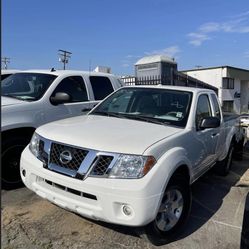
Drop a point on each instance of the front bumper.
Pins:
(96, 198)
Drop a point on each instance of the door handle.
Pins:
(215, 134)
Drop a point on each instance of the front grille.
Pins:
(77, 155)
(102, 165)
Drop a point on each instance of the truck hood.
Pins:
(5, 101)
(107, 134)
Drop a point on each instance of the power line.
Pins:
(64, 57)
(4, 61)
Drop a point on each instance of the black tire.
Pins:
(159, 236)
(238, 151)
(244, 244)
(11, 153)
(223, 167)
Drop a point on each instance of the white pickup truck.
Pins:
(32, 98)
(133, 158)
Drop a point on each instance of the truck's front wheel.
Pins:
(172, 214)
(11, 153)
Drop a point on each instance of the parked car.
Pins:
(132, 159)
(5, 73)
(35, 97)
(244, 119)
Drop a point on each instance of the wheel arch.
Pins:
(24, 132)
(181, 171)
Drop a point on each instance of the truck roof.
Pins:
(9, 71)
(170, 87)
(65, 72)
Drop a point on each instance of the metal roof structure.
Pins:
(154, 59)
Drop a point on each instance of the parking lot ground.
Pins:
(30, 222)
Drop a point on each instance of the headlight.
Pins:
(34, 144)
(129, 166)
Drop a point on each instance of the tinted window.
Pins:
(74, 86)
(101, 86)
(26, 86)
(216, 107)
(203, 110)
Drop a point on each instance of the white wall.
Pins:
(214, 77)
(210, 76)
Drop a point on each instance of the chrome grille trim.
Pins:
(87, 166)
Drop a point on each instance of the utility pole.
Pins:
(4, 61)
(64, 57)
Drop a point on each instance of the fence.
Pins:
(178, 79)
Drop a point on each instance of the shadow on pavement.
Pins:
(208, 194)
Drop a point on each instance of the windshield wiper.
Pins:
(131, 116)
(144, 118)
(109, 114)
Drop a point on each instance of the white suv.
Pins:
(35, 97)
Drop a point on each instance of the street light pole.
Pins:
(64, 57)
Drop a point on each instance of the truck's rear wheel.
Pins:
(172, 214)
(11, 153)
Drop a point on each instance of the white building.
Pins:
(102, 69)
(232, 82)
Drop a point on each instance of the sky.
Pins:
(117, 33)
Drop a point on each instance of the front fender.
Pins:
(165, 168)
(21, 118)
(172, 160)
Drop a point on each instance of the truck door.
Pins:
(79, 103)
(205, 140)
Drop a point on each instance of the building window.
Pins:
(227, 83)
(227, 106)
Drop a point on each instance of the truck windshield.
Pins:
(160, 106)
(26, 86)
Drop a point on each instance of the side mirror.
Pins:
(210, 122)
(60, 98)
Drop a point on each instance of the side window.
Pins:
(216, 107)
(74, 86)
(101, 86)
(203, 110)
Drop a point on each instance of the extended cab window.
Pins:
(101, 86)
(74, 86)
(203, 110)
(216, 106)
